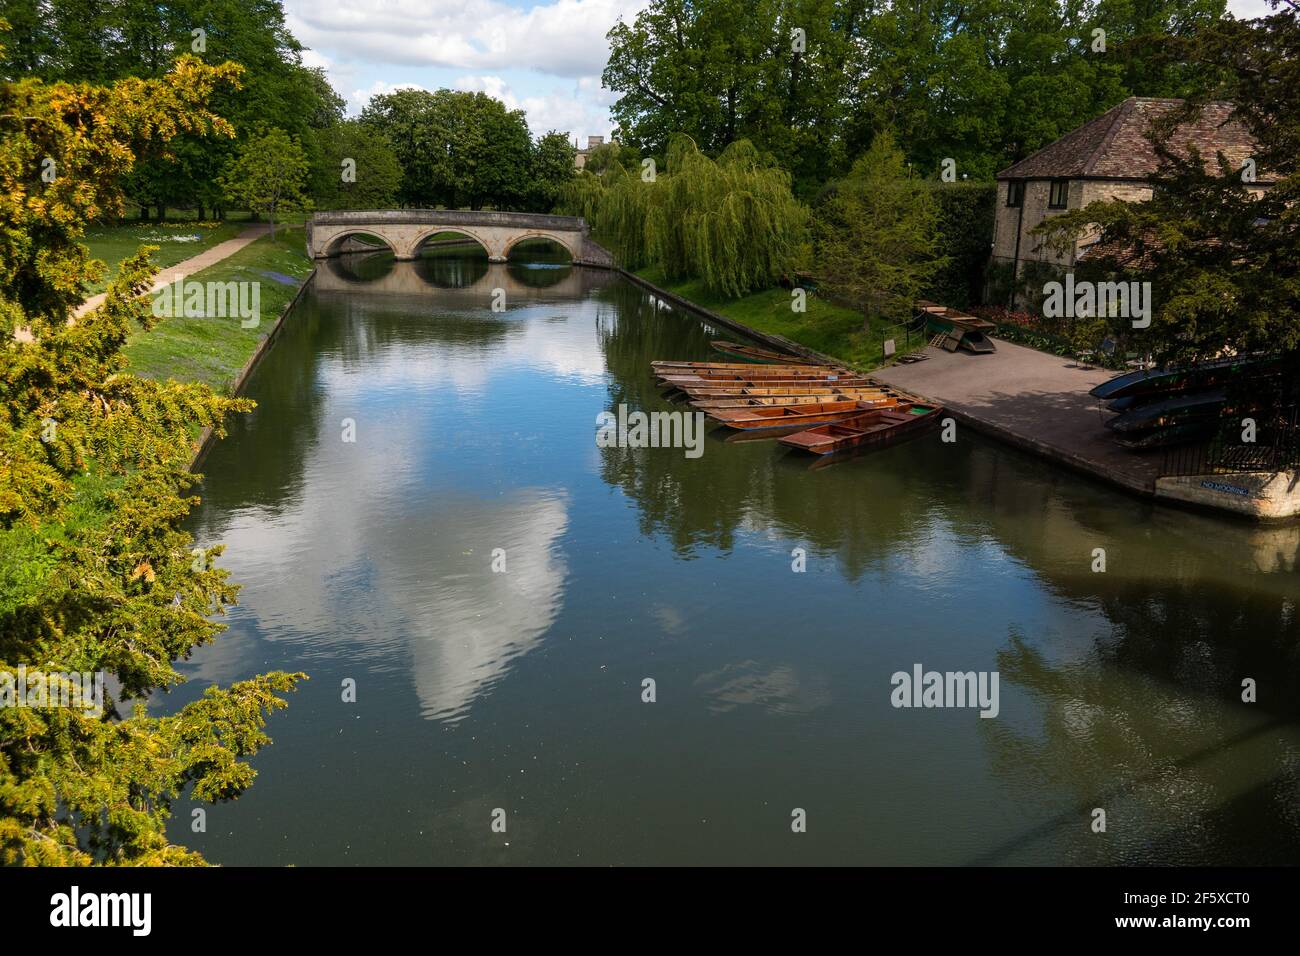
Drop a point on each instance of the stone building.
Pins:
(580, 157)
(1107, 158)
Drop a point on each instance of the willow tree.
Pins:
(96, 574)
(615, 205)
(732, 222)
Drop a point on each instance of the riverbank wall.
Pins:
(207, 436)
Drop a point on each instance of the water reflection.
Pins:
(475, 433)
(451, 272)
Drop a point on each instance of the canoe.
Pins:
(1169, 411)
(785, 417)
(874, 428)
(1217, 372)
(875, 397)
(759, 355)
(1200, 430)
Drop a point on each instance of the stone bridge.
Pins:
(404, 231)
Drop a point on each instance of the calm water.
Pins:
(475, 430)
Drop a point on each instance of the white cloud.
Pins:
(360, 97)
(564, 38)
(582, 111)
(1250, 9)
(545, 59)
(312, 59)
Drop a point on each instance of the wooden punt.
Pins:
(757, 354)
(713, 390)
(796, 397)
(785, 417)
(959, 329)
(876, 399)
(878, 427)
(747, 381)
(740, 366)
(736, 375)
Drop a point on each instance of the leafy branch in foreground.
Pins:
(96, 573)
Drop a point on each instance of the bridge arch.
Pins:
(566, 245)
(418, 243)
(356, 240)
(405, 230)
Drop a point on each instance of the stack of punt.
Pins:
(737, 379)
(771, 418)
(873, 428)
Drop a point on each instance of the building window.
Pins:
(1015, 194)
(1060, 194)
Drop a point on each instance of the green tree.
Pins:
(965, 223)
(551, 171)
(1222, 253)
(268, 175)
(85, 40)
(611, 154)
(732, 222)
(724, 70)
(356, 168)
(96, 574)
(982, 82)
(875, 234)
(455, 148)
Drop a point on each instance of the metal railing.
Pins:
(1276, 448)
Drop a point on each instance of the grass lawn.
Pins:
(175, 241)
(201, 349)
(831, 329)
(213, 350)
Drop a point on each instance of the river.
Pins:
(499, 589)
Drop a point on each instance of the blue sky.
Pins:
(543, 57)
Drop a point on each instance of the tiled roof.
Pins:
(1115, 146)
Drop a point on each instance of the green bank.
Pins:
(213, 349)
(834, 330)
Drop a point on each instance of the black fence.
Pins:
(1276, 446)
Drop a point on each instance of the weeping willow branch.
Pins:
(732, 222)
